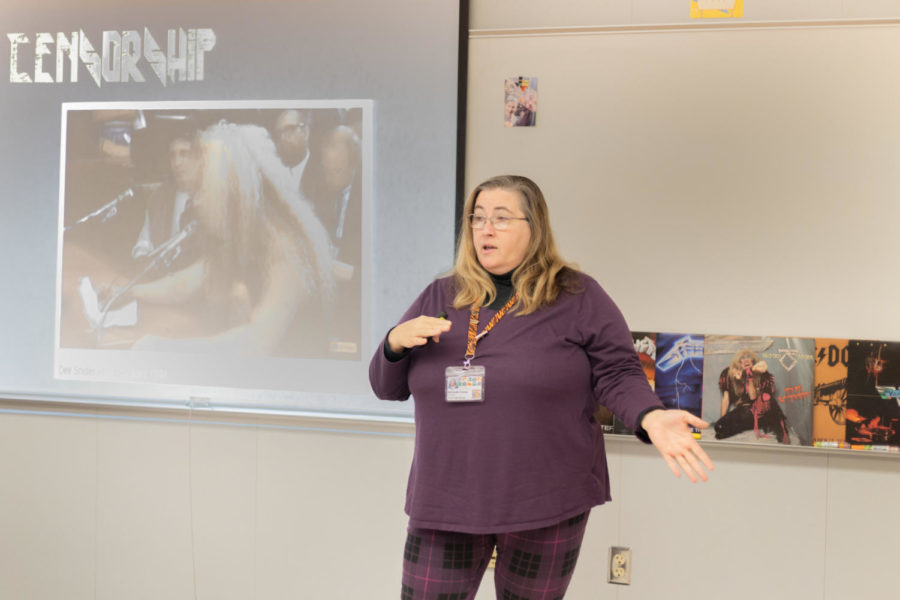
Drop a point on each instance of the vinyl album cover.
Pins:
(645, 346)
(606, 419)
(679, 371)
(873, 394)
(830, 396)
(758, 389)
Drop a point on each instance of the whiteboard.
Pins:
(733, 181)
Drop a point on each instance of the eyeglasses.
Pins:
(500, 222)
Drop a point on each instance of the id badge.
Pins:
(464, 384)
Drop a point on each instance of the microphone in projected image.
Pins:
(106, 314)
(111, 208)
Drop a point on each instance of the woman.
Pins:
(265, 263)
(507, 451)
(748, 399)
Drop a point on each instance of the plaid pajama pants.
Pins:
(531, 565)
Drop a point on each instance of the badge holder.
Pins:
(464, 384)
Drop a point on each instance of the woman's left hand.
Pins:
(669, 430)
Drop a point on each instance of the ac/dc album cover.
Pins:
(758, 389)
(873, 394)
(645, 346)
(830, 394)
(679, 371)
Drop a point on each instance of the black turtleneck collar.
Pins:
(505, 278)
(505, 290)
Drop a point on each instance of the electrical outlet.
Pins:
(620, 565)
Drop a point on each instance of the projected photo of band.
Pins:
(213, 229)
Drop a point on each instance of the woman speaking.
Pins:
(508, 359)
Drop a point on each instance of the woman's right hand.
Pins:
(416, 332)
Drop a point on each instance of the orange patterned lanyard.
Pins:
(473, 327)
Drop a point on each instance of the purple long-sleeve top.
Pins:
(531, 454)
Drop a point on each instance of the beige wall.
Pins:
(104, 504)
(117, 508)
(123, 508)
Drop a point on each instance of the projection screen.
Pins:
(221, 204)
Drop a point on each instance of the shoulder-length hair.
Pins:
(250, 209)
(541, 275)
(742, 354)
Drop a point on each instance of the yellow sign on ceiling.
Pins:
(717, 9)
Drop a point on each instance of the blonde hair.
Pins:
(740, 355)
(540, 277)
(251, 211)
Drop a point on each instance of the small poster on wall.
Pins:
(520, 108)
(717, 9)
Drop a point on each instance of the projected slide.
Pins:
(194, 237)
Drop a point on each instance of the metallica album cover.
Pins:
(873, 394)
(758, 389)
(830, 396)
(679, 371)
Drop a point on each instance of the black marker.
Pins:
(440, 315)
